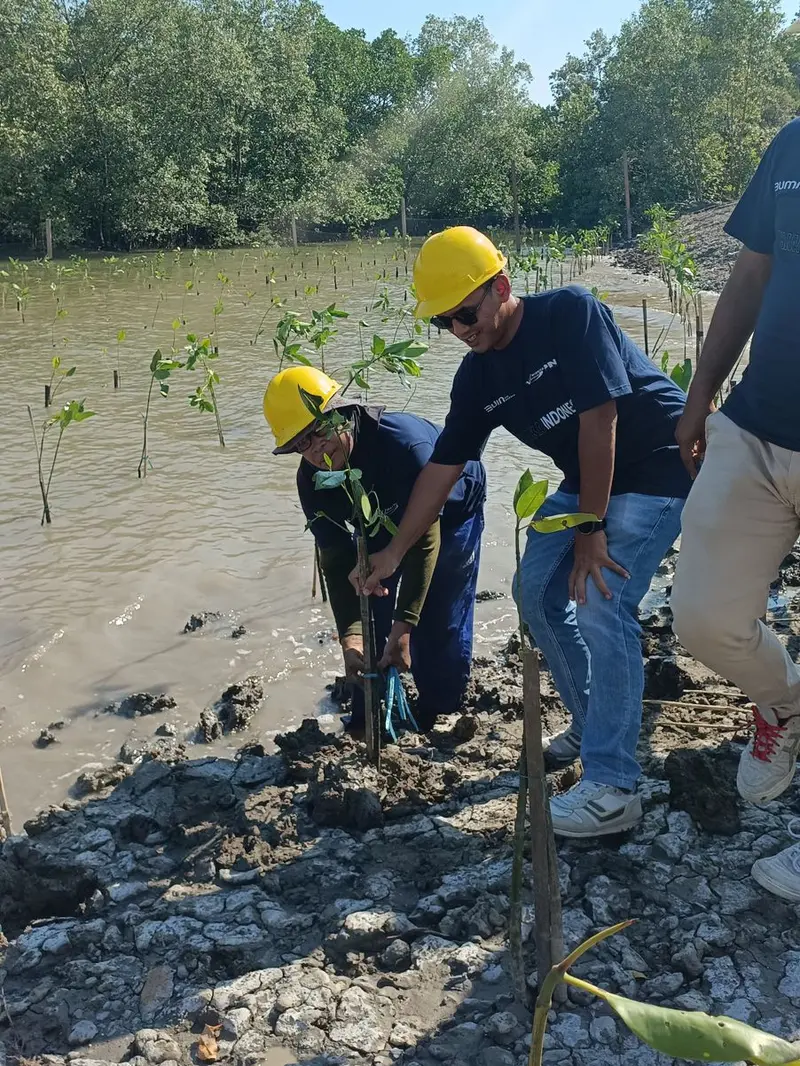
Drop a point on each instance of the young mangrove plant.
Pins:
(160, 370)
(692, 1036)
(204, 398)
(528, 499)
(72, 412)
(292, 332)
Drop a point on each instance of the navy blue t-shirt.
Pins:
(767, 220)
(389, 450)
(567, 357)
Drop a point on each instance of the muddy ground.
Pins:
(318, 911)
(713, 250)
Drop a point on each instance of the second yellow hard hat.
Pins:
(450, 266)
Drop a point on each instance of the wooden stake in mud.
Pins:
(47, 395)
(644, 323)
(5, 814)
(294, 234)
(546, 888)
(116, 379)
(372, 727)
(48, 237)
(403, 219)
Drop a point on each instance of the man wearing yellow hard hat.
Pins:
(556, 371)
(426, 622)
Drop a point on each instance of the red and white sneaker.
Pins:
(767, 765)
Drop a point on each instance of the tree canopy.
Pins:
(143, 121)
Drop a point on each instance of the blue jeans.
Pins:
(594, 651)
(441, 645)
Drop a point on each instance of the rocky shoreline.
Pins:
(713, 250)
(297, 905)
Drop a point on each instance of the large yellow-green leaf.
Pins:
(556, 522)
(530, 499)
(698, 1037)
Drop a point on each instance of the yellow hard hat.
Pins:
(450, 266)
(284, 408)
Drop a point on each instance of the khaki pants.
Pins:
(741, 519)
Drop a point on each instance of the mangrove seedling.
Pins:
(692, 1036)
(57, 378)
(528, 499)
(204, 397)
(71, 412)
(160, 370)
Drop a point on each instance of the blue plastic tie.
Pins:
(396, 701)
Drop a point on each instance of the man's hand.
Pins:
(397, 652)
(382, 565)
(354, 665)
(691, 433)
(591, 556)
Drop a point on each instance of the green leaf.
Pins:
(164, 388)
(558, 522)
(682, 374)
(176, 325)
(298, 357)
(329, 479)
(56, 362)
(664, 362)
(70, 372)
(121, 336)
(388, 524)
(155, 361)
(531, 499)
(525, 481)
(378, 345)
(366, 506)
(328, 460)
(699, 1037)
(312, 403)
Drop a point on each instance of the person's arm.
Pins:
(597, 436)
(463, 438)
(428, 497)
(336, 562)
(732, 324)
(418, 568)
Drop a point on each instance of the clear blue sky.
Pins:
(540, 31)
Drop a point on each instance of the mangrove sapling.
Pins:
(692, 1036)
(204, 397)
(160, 370)
(528, 498)
(73, 411)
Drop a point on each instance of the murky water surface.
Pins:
(94, 605)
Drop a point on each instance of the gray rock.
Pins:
(663, 986)
(688, 961)
(237, 1022)
(670, 846)
(603, 1030)
(692, 1000)
(397, 955)
(82, 1032)
(569, 1030)
(156, 991)
(555, 1055)
(607, 901)
(714, 932)
(297, 1027)
(406, 1034)
(790, 985)
(496, 1056)
(458, 1043)
(722, 979)
(503, 1027)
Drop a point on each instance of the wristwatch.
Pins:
(587, 528)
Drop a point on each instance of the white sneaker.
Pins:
(590, 809)
(767, 764)
(561, 750)
(780, 874)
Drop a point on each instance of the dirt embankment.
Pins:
(300, 900)
(713, 250)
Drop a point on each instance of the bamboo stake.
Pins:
(546, 887)
(372, 729)
(5, 814)
(644, 323)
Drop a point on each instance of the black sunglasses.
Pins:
(466, 316)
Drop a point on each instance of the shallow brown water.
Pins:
(94, 606)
